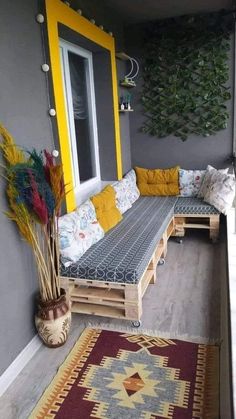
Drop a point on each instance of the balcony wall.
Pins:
(24, 105)
(197, 151)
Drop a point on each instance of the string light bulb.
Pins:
(52, 112)
(40, 18)
(80, 12)
(55, 153)
(92, 21)
(45, 67)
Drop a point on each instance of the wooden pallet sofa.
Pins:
(111, 278)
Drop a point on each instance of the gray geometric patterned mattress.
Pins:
(123, 254)
(193, 206)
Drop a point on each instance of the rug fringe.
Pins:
(206, 392)
(67, 373)
(152, 332)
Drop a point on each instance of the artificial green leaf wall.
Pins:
(186, 76)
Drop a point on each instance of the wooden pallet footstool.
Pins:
(194, 213)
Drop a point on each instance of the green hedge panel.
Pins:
(185, 76)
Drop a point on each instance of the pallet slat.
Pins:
(102, 293)
(96, 309)
(170, 228)
(105, 303)
(191, 225)
(98, 284)
(146, 280)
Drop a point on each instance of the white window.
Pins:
(77, 65)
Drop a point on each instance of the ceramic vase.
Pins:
(53, 320)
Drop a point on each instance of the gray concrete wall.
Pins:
(103, 15)
(152, 152)
(124, 121)
(24, 107)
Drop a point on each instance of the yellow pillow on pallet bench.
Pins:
(160, 182)
(107, 213)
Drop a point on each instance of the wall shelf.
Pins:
(122, 56)
(128, 80)
(127, 84)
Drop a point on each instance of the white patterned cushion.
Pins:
(86, 213)
(221, 192)
(132, 192)
(208, 178)
(190, 182)
(78, 231)
(122, 201)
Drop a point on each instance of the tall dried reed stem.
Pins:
(35, 191)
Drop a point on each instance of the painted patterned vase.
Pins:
(53, 320)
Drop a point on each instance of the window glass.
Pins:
(82, 117)
(81, 113)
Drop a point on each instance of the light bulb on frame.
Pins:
(45, 67)
(55, 153)
(52, 112)
(40, 18)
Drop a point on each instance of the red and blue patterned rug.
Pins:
(116, 375)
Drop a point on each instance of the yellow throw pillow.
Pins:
(107, 213)
(160, 182)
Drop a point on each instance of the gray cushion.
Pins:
(194, 206)
(123, 254)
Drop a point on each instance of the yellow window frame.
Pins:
(58, 12)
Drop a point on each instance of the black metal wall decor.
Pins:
(186, 76)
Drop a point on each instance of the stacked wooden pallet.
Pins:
(110, 299)
(124, 301)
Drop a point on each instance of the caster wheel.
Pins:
(136, 323)
(161, 262)
(180, 241)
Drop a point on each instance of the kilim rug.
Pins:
(118, 375)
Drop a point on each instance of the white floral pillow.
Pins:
(86, 213)
(78, 231)
(221, 192)
(190, 181)
(208, 178)
(132, 192)
(67, 226)
(122, 190)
